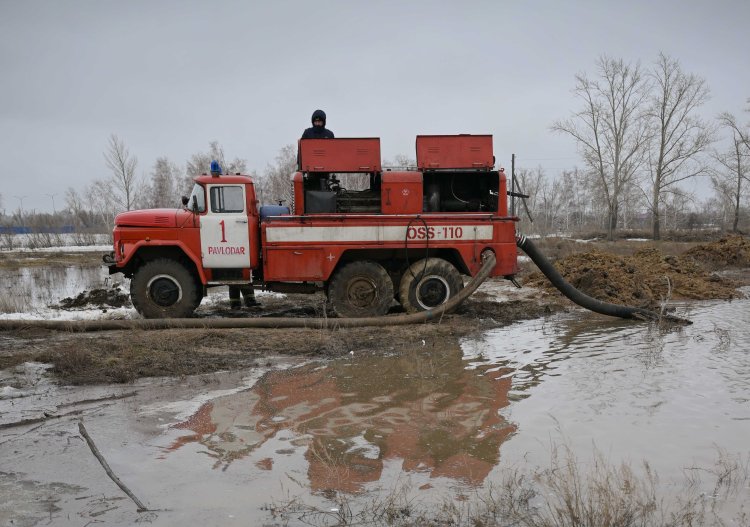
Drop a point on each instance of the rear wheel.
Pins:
(429, 283)
(361, 289)
(164, 288)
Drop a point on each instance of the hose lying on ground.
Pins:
(268, 322)
(583, 299)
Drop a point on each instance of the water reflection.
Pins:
(636, 391)
(425, 411)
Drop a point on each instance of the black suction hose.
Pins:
(582, 299)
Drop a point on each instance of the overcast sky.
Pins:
(169, 76)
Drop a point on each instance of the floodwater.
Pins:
(223, 449)
(33, 289)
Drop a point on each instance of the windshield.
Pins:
(199, 195)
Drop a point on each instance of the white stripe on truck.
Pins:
(378, 233)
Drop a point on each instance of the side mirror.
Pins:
(185, 200)
(194, 206)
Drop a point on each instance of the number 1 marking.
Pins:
(223, 232)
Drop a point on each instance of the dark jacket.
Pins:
(318, 132)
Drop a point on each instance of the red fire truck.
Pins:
(407, 235)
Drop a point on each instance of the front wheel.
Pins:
(164, 288)
(361, 289)
(429, 283)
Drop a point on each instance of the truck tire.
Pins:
(428, 283)
(164, 288)
(361, 289)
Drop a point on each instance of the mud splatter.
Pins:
(113, 297)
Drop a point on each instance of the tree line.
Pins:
(640, 135)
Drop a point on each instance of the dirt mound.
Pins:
(730, 251)
(113, 297)
(641, 280)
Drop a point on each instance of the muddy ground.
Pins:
(648, 277)
(119, 356)
(629, 273)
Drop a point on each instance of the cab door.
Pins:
(225, 239)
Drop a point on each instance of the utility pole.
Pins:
(513, 184)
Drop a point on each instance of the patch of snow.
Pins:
(363, 447)
(8, 392)
(30, 368)
(94, 313)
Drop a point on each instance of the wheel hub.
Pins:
(164, 290)
(362, 292)
(432, 291)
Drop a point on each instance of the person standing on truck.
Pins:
(318, 129)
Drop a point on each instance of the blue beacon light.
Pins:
(215, 168)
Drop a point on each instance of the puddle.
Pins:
(220, 449)
(452, 422)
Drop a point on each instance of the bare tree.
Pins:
(200, 163)
(74, 203)
(101, 197)
(122, 165)
(552, 198)
(742, 134)
(81, 213)
(728, 182)
(679, 135)
(276, 183)
(164, 188)
(575, 199)
(530, 182)
(677, 206)
(611, 128)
